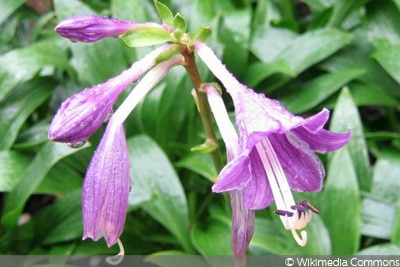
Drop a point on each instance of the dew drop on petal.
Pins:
(78, 144)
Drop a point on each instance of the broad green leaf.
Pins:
(319, 89)
(60, 180)
(8, 7)
(341, 9)
(340, 204)
(386, 186)
(346, 115)
(48, 155)
(20, 65)
(12, 166)
(61, 221)
(368, 95)
(257, 72)
(152, 172)
(314, 46)
(19, 105)
(396, 229)
(383, 21)
(133, 10)
(212, 237)
(145, 36)
(271, 237)
(377, 219)
(388, 249)
(388, 55)
(201, 164)
(69, 8)
(319, 5)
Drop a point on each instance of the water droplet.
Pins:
(78, 144)
(109, 115)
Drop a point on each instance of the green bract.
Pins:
(146, 36)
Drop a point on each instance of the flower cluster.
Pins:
(271, 155)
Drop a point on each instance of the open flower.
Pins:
(242, 217)
(106, 187)
(276, 151)
(83, 113)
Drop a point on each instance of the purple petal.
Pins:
(91, 28)
(242, 223)
(304, 170)
(257, 194)
(235, 175)
(317, 121)
(323, 140)
(106, 188)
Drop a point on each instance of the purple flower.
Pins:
(106, 187)
(91, 28)
(242, 217)
(83, 113)
(276, 151)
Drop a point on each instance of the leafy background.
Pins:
(340, 54)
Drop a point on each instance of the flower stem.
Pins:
(202, 103)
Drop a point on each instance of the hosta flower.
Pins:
(106, 187)
(276, 151)
(83, 113)
(91, 28)
(242, 217)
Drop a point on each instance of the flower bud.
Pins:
(91, 28)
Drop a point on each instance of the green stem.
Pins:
(202, 103)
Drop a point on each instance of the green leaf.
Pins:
(168, 204)
(346, 115)
(19, 105)
(12, 166)
(20, 65)
(388, 249)
(212, 237)
(342, 9)
(396, 229)
(145, 36)
(201, 164)
(383, 21)
(377, 219)
(340, 204)
(61, 221)
(48, 155)
(165, 13)
(368, 95)
(8, 7)
(388, 55)
(257, 72)
(271, 237)
(180, 25)
(319, 89)
(314, 46)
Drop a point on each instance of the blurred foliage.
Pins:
(340, 54)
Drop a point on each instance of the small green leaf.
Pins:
(340, 204)
(180, 26)
(202, 34)
(145, 36)
(204, 148)
(168, 202)
(48, 155)
(346, 115)
(377, 219)
(165, 13)
(319, 89)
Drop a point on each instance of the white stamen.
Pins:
(116, 259)
(281, 191)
